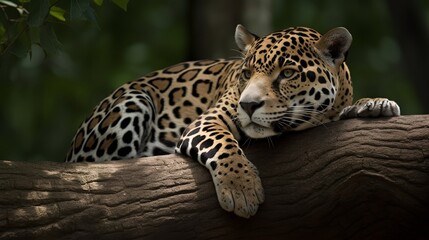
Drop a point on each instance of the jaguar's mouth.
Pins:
(254, 130)
(251, 123)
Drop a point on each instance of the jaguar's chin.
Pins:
(254, 130)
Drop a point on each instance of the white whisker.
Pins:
(270, 142)
(246, 142)
(239, 52)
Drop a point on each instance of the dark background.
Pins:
(43, 100)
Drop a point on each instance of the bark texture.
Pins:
(354, 179)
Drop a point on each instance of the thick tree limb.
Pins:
(350, 179)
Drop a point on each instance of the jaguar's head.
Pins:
(288, 78)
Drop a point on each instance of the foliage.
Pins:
(46, 97)
(27, 22)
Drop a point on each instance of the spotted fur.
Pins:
(286, 81)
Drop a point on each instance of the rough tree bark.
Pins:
(354, 179)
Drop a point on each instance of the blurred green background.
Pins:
(45, 98)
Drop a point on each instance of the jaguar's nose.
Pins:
(250, 107)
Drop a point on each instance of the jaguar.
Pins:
(289, 80)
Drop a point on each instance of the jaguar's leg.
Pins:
(371, 107)
(211, 141)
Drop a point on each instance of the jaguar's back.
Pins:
(146, 117)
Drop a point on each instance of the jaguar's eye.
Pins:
(246, 73)
(287, 73)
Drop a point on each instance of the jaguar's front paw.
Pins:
(238, 187)
(371, 107)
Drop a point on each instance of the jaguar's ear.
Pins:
(334, 45)
(244, 38)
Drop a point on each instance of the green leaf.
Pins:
(3, 35)
(2, 30)
(39, 9)
(9, 3)
(121, 3)
(57, 13)
(21, 10)
(34, 35)
(18, 49)
(78, 8)
(99, 2)
(49, 41)
(90, 15)
(21, 47)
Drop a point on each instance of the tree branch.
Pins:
(349, 179)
